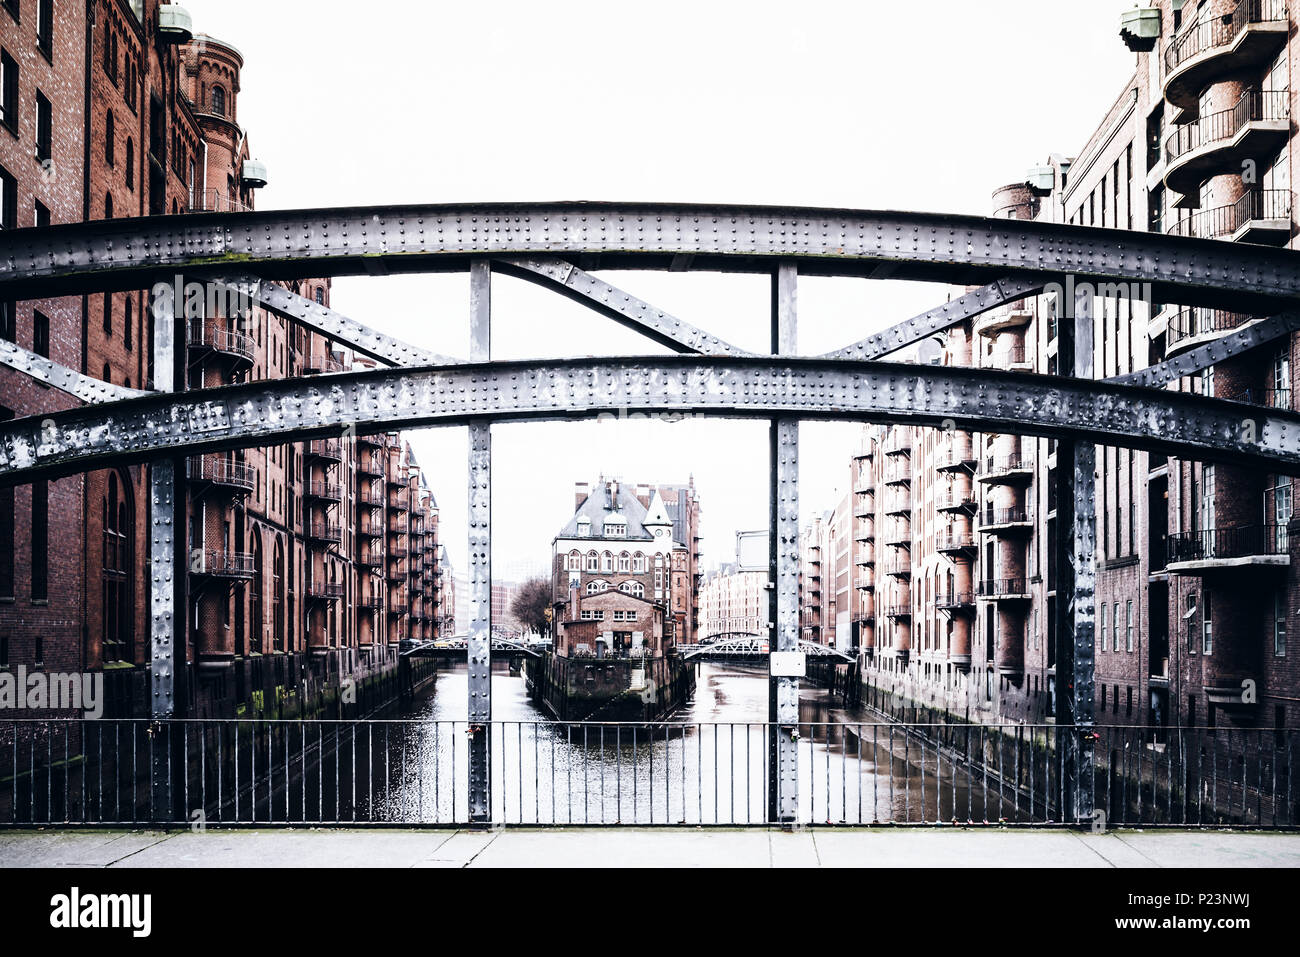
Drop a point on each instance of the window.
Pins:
(40, 541)
(117, 613)
(9, 91)
(8, 200)
(593, 562)
(110, 136)
(1189, 624)
(1128, 626)
(130, 164)
(638, 564)
(596, 587)
(1103, 629)
(320, 301)
(41, 212)
(1114, 632)
(6, 531)
(128, 322)
(1279, 623)
(8, 321)
(44, 127)
(108, 205)
(40, 334)
(11, 6)
(1207, 627)
(219, 101)
(632, 588)
(45, 27)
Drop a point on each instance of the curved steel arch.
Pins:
(128, 253)
(266, 411)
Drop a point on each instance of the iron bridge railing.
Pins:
(415, 772)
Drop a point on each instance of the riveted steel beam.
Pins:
(783, 562)
(265, 412)
(965, 307)
(131, 253)
(1212, 353)
(622, 307)
(479, 643)
(1076, 574)
(61, 377)
(342, 329)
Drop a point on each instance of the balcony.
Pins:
(1269, 398)
(899, 534)
(396, 569)
(217, 563)
(1255, 129)
(898, 611)
(866, 557)
(368, 528)
(329, 450)
(898, 505)
(955, 601)
(866, 450)
(370, 465)
(1005, 520)
(1006, 470)
(1262, 217)
(373, 562)
(899, 442)
(1012, 359)
(214, 201)
(325, 491)
(1219, 549)
(323, 365)
(900, 473)
(899, 568)
(328, 533)
(954, 500)
(1004, 589)
(1247, 39)
(369, 495)
(955, 457)
(397, 608)
(221, 472)
(206, 337)
(326, 591)
(370, 603)
(399, 502)
(1000, 320)
(952, 541)
(1189, 328)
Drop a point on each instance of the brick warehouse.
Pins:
(1197, 589)
(308, 555)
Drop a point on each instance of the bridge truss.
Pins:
(744, 643)
(555, 245)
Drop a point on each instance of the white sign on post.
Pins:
(788, 664)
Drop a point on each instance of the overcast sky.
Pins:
(914, 105)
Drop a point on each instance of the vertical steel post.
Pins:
(167, 567)
(783, 566)
(1076, 546)
(480, 562)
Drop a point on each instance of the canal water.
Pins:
(706, 764)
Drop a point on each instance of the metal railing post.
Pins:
(783, 564)
(1076, 545)
(479, 649)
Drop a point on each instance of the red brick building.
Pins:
(303, 554)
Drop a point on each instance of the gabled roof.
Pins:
(597, 508)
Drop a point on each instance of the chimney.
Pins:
(613, 494)
(580, 492)
(643, 495)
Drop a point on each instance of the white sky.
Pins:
(913, 105)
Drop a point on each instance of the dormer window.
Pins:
(615, 530)
(584, 528)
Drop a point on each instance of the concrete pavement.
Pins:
(647, 847)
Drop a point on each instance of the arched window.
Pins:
(110, 137)
(108, 373)
(256, 623)
(575, 562)
(277, 595)
(108, 302)
(632, 588)
(130, 164)
(108, 205)
(593, 562)
(219, 100)
(320, 295)
(638, 564)
(597, 586)
(115, 636)
(607, 562)
(624, 562)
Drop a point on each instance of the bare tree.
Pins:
(530, 603)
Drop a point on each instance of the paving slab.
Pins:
(1214, 848)
(73, 848)
(958, 847)
(629, 847)
(291, 848)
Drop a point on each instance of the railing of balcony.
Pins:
(1005, 358)
(319, 589)
(216, 335)
(1254, 106)
(995, 587)
(330, 491)
(1272, 398)
(955, 599)
(221, 471)
(1015, 462)
(1224, 221)
(1003, 516)
(326, 449)
(326, 532)
(1241, 541)
(1201, 321)
(1215, 32)
(224, 564)
(952, 539)
(214, 201)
